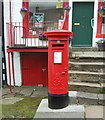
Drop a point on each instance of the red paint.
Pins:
(99, 23)
(27, 50)
(32, 65)
(13, 68)
(66, 16)
(65, 3)
(58, 72)
(44, 59)
(9, 70)
(26, 18)
(33, 36)
(65, 21)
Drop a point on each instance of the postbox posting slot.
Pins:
(57, 45)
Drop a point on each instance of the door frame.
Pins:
(95, 18)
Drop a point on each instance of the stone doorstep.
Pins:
(71, 111)
(89, 54)
(83, 49)
(87, 63)
(85, 72)
(94, 96)
(96, 85)
(86, 98)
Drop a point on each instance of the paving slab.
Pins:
(40, 91)
(101, 96)
(5, 91)
(27, 91)
(71, 111)
(86, 101)
(101, 99)
(73, 97)
(10, 100)
(87, 95)
(87, 98)
(95, 111)
(73, 93)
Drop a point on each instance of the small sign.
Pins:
(76, 23)
(59, 4)
(57, 57)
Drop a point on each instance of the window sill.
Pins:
(100, 35)
(31, 36)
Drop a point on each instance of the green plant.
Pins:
(101, 11)
(25, 108)
(101, 41)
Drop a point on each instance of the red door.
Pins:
(34, 68)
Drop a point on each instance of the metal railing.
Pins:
(19, 36)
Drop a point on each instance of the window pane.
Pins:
(43, 16)
(103, 25)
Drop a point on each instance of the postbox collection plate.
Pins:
(57, 57)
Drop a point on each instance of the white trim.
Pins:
(95, 23)
(17, 69)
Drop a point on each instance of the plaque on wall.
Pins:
(39, 19)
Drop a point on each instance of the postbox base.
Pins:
(58, 101)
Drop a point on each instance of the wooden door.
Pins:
(34, 68)
(82, 17)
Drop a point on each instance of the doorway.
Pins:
(34, 68)
(83, 13)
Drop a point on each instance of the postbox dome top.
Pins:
(58, 32)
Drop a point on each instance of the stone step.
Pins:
(86, 59)
(83, 49)
(87, 66)
(85, 76)
(87, 63)
(85, 87)
(86, 98)
(85, 84)
(88, 54)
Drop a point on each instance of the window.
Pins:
(100, 23)
(103, 25)
(41, 17)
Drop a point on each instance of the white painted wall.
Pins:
(6, 19)
(17, 69)
(94, 39)
(16, 17)
(16, 6)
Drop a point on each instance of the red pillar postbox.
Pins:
(58, 68)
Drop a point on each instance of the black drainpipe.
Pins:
(4, 82)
